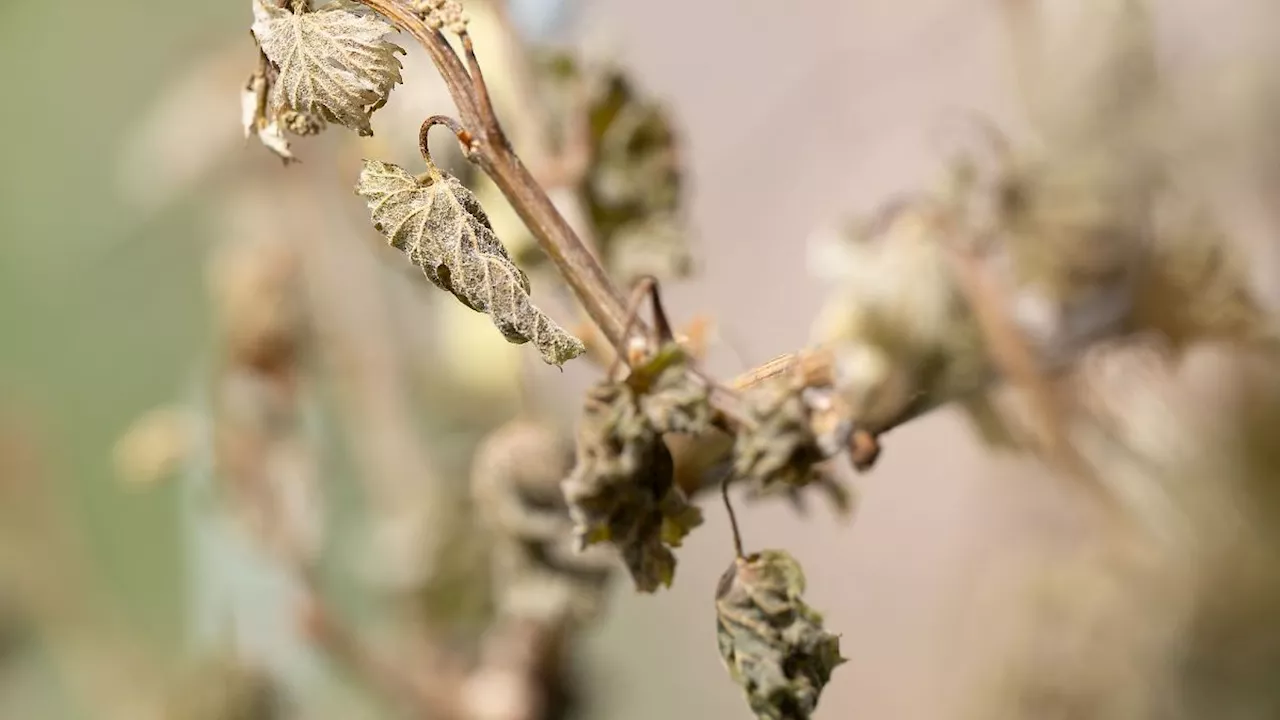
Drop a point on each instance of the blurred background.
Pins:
(128, 196)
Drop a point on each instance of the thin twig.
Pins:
(488, 116)
(733, 516)
(465, 138)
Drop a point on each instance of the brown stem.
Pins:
(557, 238)
(733, 516)
(492, 127)
(465, 138)
(646, 286)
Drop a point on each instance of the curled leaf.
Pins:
(516, 477)
(622, 490)
(791, 430)
(772, 643)
(673, 400)
(333, 63)
(258, 120)
(438, 223)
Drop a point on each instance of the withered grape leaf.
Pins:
(671, 398)
(438, 223)
(334, 62)
(622, 490)
(772, 643)
(780, 448)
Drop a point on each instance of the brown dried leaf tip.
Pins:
(332, 63)
(791, 429)
(772, 643)
(622, 489)
(439, 224)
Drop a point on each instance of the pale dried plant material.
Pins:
(438, 223)
(155, 446)
(257, 117)
(772, 643)
(538, 570)
(446, 14)
(897, 345)
(334, 62)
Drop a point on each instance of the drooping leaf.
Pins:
(622, 491)
(333, 62)
(438, 223)
(772, 643)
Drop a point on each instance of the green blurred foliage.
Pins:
(101, 313)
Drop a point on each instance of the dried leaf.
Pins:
(782, 445)
(258, 120)
(516, 476)
(672, 399)
(632, 190)
(622, 491)
(772, 643)
(333, 62)
(436, 221)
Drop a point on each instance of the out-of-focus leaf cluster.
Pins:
(773, 644)
(538, 570)
(622, 489)
(632, 188)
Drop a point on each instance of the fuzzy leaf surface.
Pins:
(622, 489)
(772, 643)
(438, 223)
(334, 62)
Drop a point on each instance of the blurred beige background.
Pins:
(793, 111)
